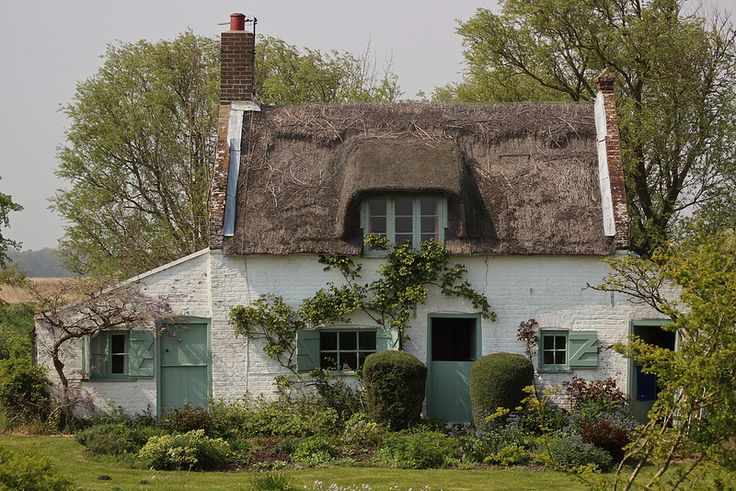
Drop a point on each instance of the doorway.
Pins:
(453, 345)
(642, 388)
(185, 365)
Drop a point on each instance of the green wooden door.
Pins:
(454, 343)
(184, 366)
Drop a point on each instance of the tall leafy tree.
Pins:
(675, 90)
(140, 147)
(7, 206)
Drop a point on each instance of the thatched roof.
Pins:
(519, 178)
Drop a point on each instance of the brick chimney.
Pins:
(237, 60)
(610, 163)
(237, 55)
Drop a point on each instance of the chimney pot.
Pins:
(237, 22)
(604, 81)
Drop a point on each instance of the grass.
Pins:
(71, 458)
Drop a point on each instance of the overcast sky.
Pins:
(47, 46)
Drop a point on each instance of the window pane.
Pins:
(328, 361)
(429, 206)
(377, 225)
(560, 342)
(117, 343)
(328, 341)
(377, 207)
(404, 206)
(367, 340)
(98, 344)
(548, 342)
(98, 365)
(401, 238)
(403, 225)
(430, 237)
(362, 357)
(348, 361)
(549, 357)
(559, 357)
(119, 364)
(348, 341)
(430, 225)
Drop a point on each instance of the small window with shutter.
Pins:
(119, 355)
(563, 350)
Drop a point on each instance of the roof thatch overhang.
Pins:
(519, 178)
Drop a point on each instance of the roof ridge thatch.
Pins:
(527, 181)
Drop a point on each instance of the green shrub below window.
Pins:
(395, 383)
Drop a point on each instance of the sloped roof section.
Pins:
(519, 178)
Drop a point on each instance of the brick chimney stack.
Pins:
(237, 55)
(609, 153)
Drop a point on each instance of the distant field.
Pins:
(13, 294)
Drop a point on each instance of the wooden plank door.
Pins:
(185, 358)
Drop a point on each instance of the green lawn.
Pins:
(71, 457)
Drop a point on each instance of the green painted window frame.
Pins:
(391, 219)
(554, 367)
(108, 375)
(581, 350)
(357, 351)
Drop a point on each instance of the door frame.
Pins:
(183, 320)
(428, 355)
(630, 370)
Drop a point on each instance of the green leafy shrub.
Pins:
(24, 392)
(571, 452)
(314, 450)
(30, 473)
(187, 418)
(513, 454)
(395, 383)
(272, 481)
(477, 445)
(361, 430)
(417, 450)
(115, 438)
(273, 418)
(498, 380)
(193, 450)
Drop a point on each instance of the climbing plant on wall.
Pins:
(403, 282)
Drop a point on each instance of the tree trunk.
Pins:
(65, 404)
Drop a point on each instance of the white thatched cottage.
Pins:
(529, 197)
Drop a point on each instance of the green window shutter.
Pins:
(307, 350)
(387, 339)
(141, 358)
(583, 346)
(86, 356)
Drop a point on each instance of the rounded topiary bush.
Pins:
(498, 380)
(395, 383)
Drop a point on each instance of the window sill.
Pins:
(116, 379)
(555, 370)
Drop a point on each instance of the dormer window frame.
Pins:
(391, 200)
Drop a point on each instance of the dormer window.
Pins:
(405, 218)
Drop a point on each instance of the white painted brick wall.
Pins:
(549, 289)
